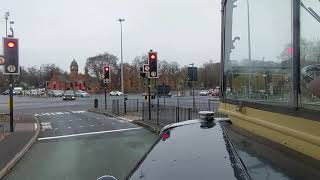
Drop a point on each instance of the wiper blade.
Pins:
(311, 12)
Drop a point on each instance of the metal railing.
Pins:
(164, 110)
(166, 114)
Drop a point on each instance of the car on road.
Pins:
(194, 149)
(115, 93)
(69, 95)
(81, 93)
(55, 93)
(204, 93)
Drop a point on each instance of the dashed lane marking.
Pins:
(90, 133)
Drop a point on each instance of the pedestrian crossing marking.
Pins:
(58, 113)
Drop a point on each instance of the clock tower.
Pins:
(74, 68)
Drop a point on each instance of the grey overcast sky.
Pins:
(57, 31)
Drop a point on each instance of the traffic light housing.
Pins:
(106, 72)
(153, 65)
(11, 55)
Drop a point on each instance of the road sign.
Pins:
(153, 74)
(2, 60)
(192, 74)
(11, 56)
(146, 68)
(11, 68)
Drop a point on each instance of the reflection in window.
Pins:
(258, 51)
(310, 54)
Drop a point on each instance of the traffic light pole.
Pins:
(11, 103)
(10, 84)
(105, 96)
(149, 99)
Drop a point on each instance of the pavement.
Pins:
(14, 145)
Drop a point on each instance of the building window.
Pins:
(310, 54)
(258, 51)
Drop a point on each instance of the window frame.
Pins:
(294, 108)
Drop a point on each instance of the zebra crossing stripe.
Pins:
(59, 113)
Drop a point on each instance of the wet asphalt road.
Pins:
(76, 144)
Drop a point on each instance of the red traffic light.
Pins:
(152, 56)
(11, 44)
(106, 68)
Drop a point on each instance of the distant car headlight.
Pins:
(63, 97)
(72, 97)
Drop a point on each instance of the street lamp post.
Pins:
(249, 45)
(193, 98)
(122, 87)
(11, 29)
(6, 16)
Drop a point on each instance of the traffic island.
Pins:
(153, 127)
(14, 145)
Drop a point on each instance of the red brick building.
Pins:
(74, 81)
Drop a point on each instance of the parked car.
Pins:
(115, 93)
(204, 93)
(14, 92)
(6, 92)
(210, 91)
(69, 95)
(55, 93)
(216, 91)
(194, 149)
(81, 93)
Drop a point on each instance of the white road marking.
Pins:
(125, 119)
(80, 126)
(91, 125)
(59, 113)
(55, 129)
(102, 124)
(69, 127)
(46, 125)
(35, 126)
(78, 112)
(70, 120)
(90, 133)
